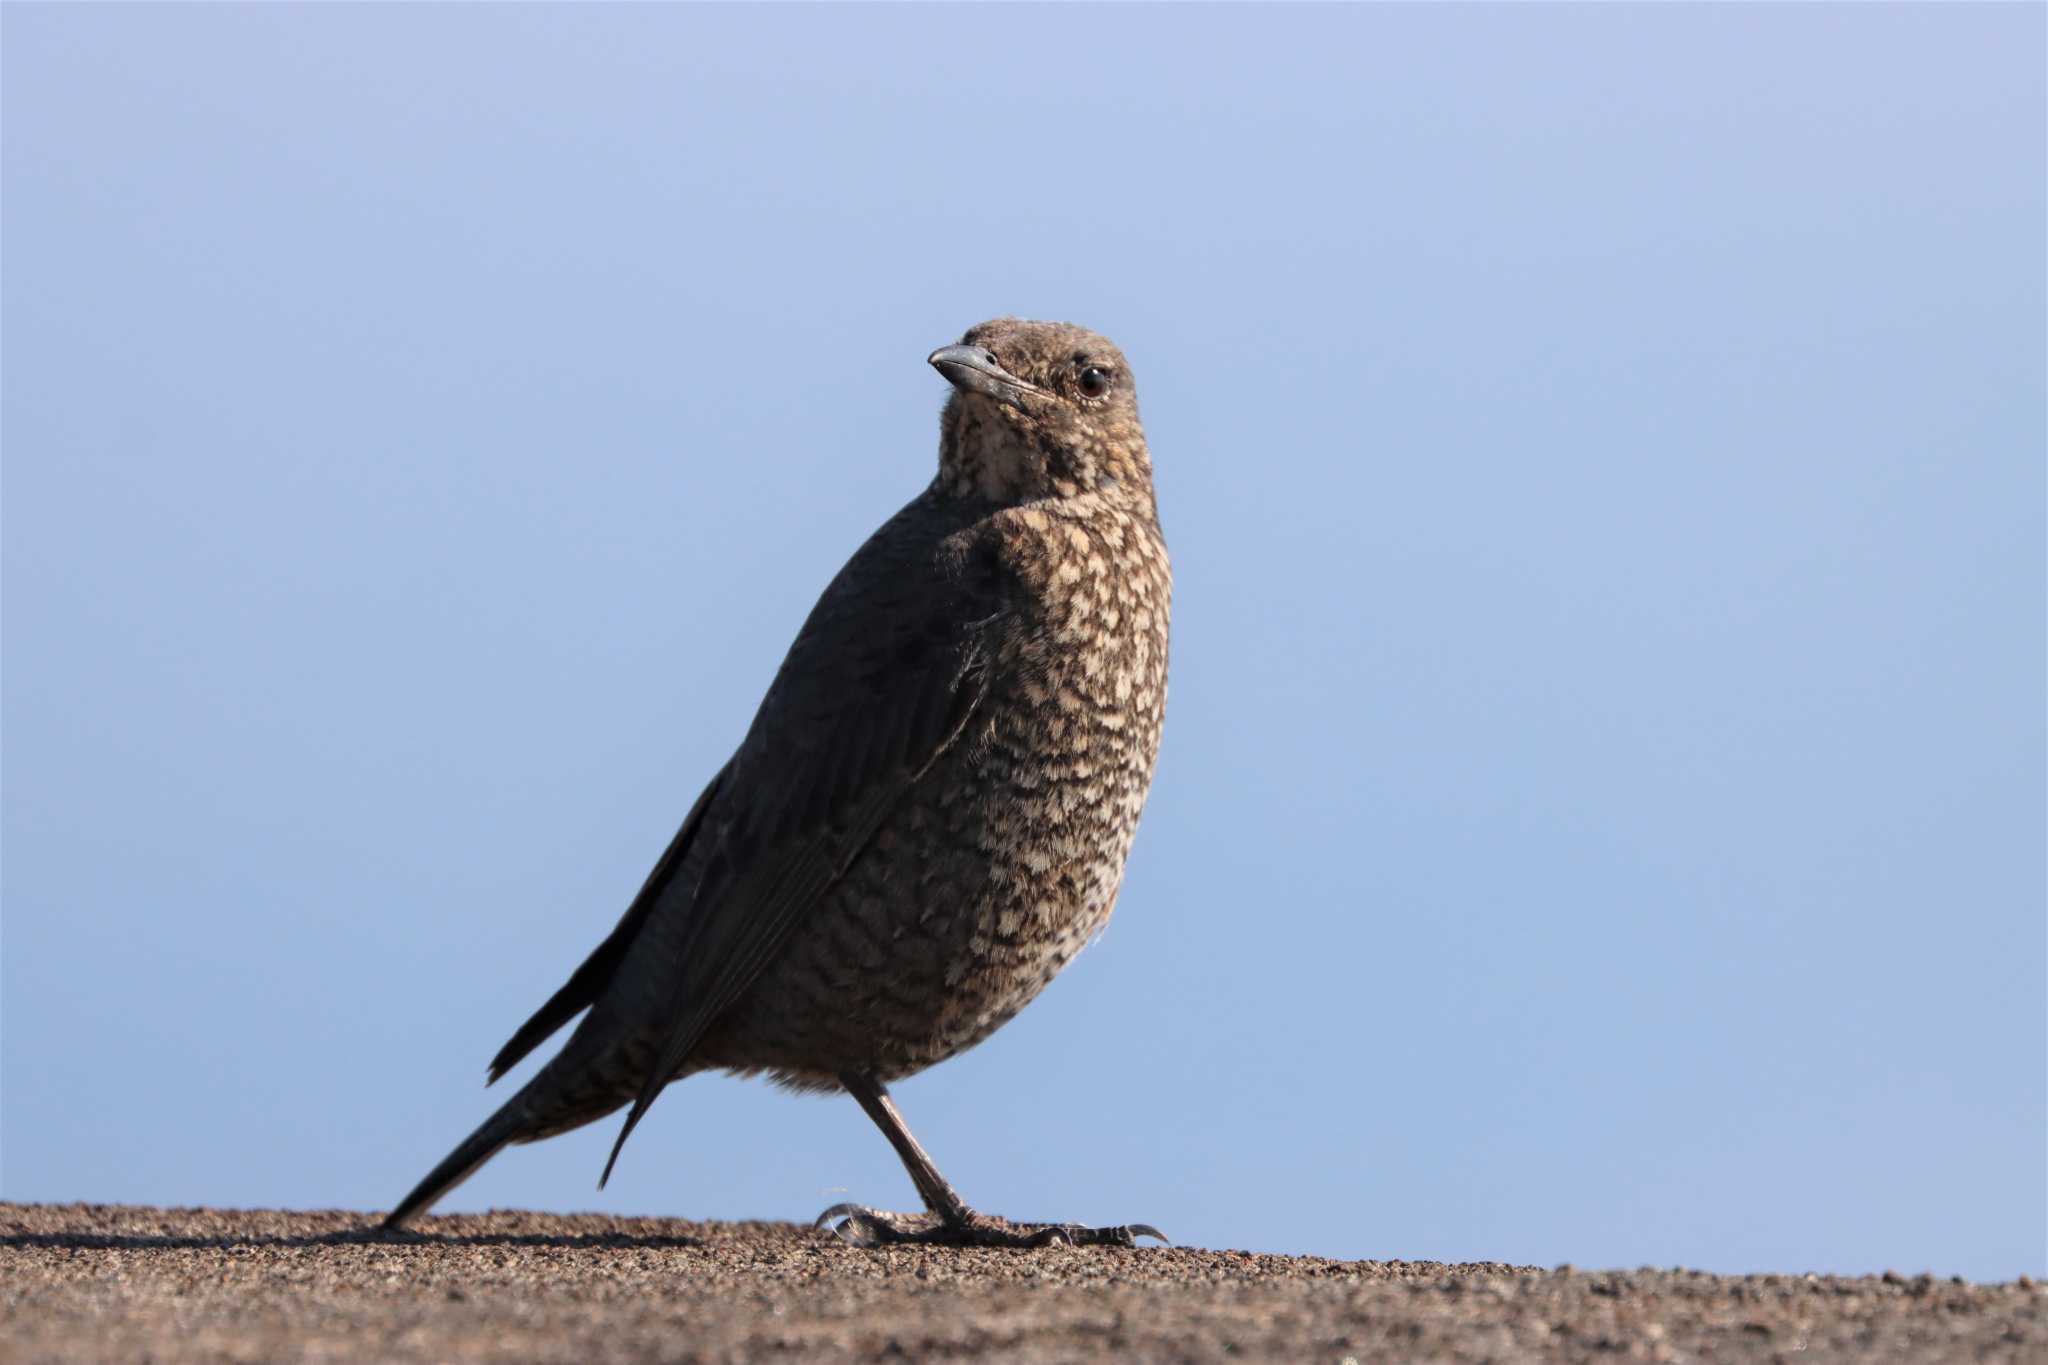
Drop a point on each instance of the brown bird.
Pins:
(930, 814)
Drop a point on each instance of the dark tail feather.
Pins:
(565, 1004)
(590, 979)
(499, 1129)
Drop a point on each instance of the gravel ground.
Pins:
(86, 1282)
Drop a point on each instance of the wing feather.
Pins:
(882, 681)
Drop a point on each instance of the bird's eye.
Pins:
(1095, 381)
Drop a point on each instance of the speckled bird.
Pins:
(930, 813)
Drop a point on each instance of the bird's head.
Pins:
(1040, 410)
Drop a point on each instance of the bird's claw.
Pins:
(862, 1226)
(1074, 1235)
(859, 1218)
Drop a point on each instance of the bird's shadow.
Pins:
(591, 1241)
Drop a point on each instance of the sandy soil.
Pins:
(100, 1283)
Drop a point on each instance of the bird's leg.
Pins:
(937, 1192)
(957, 1224)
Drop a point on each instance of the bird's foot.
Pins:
(861, 1226)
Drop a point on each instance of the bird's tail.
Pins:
(505, 1126)
(579, 1086)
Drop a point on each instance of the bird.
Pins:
(930, 813)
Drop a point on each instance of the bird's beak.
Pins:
(973, 369)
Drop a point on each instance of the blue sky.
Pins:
(1601, 816)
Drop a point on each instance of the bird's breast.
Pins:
(1064, 756)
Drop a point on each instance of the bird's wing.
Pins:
(882, 680)
(589, 980)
